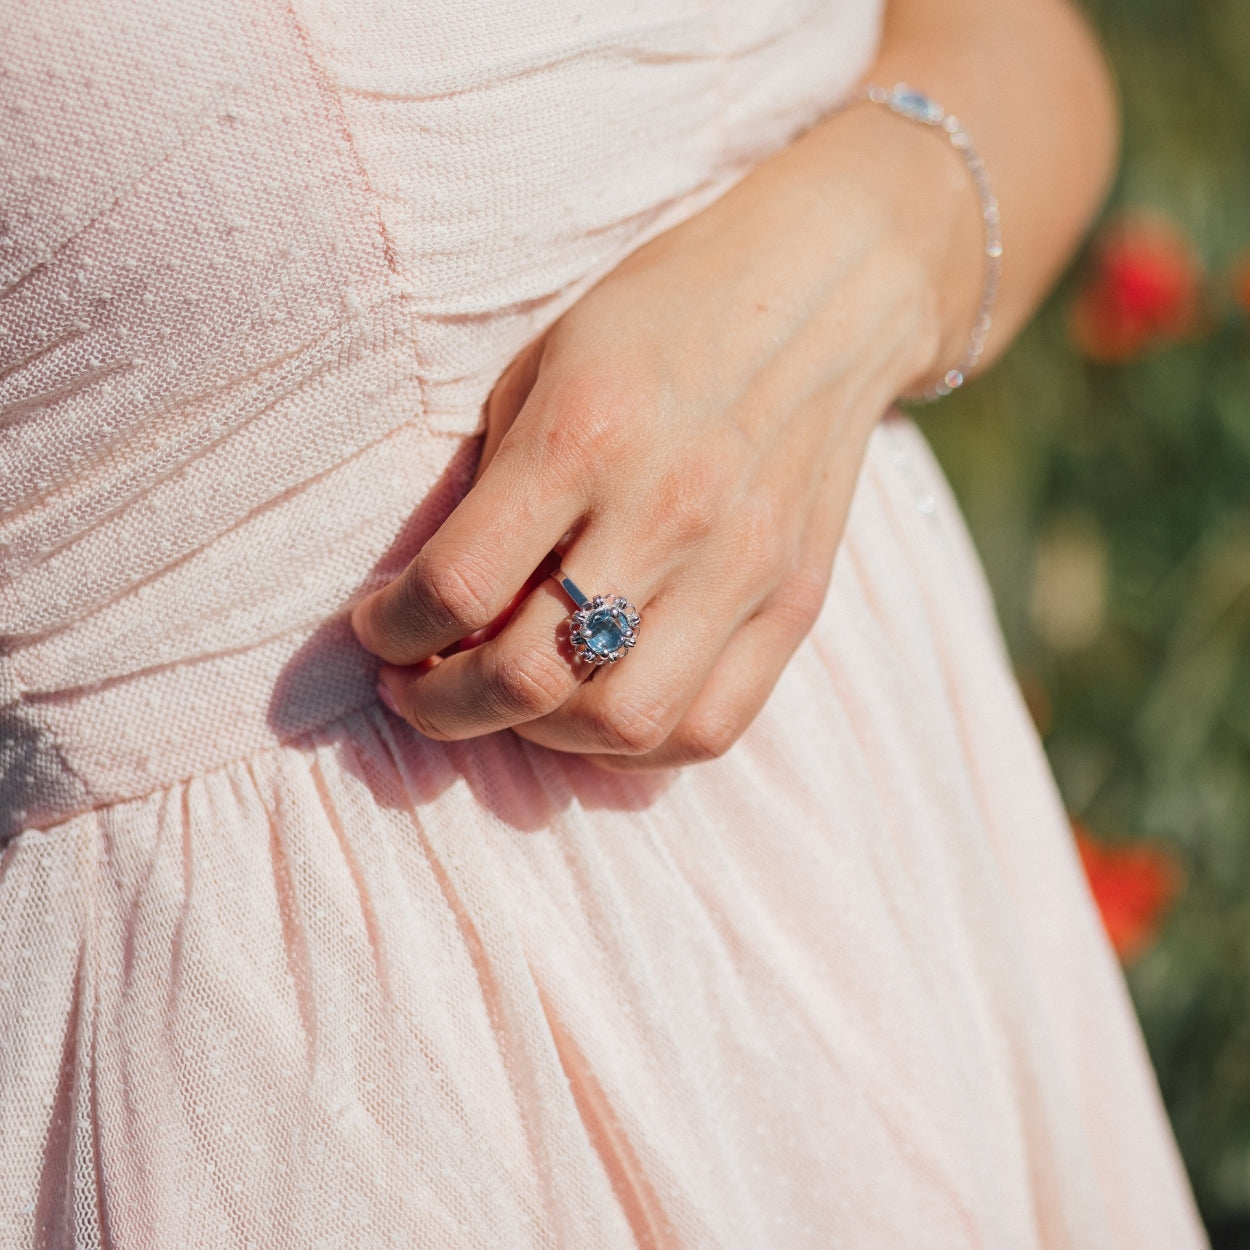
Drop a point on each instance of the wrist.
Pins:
(914, 106)
(930, 214)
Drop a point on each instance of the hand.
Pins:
(688, 435)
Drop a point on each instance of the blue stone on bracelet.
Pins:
(914, 104)
(604, 631)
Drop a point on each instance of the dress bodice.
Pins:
(259, 268)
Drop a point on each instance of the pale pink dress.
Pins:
(275, 972)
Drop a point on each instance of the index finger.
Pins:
(469, 571)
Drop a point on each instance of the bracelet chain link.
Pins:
(918, 107)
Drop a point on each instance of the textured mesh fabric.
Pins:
(275, 971)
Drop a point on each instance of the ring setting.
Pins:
(602, 629)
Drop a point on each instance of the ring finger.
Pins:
(631, 708)
(528, 670)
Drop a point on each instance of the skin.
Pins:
(691, 431)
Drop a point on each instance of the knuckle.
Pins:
(449, 593)
(802, 597)
(530, 685)
(706, 737)
(695, 496)
(632, 727)
(589, 420)
(759, 539)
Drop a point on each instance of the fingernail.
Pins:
(387, 698)
(355, 618)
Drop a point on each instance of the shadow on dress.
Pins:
(35, 780)
(328, 684)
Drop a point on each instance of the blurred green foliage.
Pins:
(1135, 479)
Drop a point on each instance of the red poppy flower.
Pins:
(1134, 885)
(1143, 289)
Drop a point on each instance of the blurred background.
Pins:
(1104, 468)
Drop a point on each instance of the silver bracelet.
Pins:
(920, 108)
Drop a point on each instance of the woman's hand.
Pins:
(688, 436)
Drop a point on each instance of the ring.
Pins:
(602, 629)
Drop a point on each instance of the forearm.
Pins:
(1028, 81)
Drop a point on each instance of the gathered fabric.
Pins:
(275, 971)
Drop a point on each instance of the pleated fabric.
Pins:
(277, 972)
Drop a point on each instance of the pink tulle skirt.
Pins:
(277, 972)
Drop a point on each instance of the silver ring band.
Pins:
(602, 628)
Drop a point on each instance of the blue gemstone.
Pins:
(604, 631)
(913, 104)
